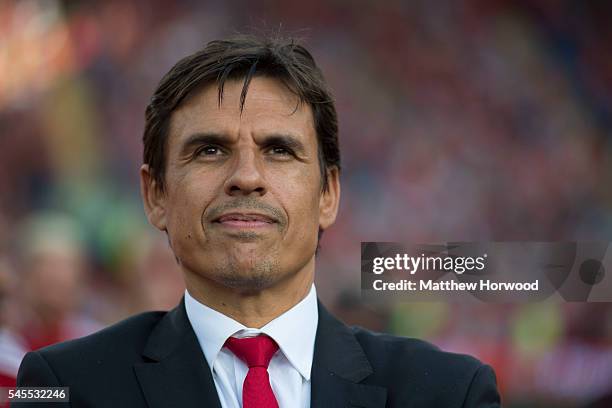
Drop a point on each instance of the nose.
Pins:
(246, 177)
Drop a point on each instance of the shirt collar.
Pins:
(294, 331)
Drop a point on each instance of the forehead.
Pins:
(269, 107)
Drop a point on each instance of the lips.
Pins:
(245, 220)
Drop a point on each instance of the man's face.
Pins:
(243, 201)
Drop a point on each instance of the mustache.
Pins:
(245, 204)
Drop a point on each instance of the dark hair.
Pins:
(236, 58)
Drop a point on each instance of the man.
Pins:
(52, 278)
(242, 174)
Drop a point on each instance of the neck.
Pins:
(252, 307)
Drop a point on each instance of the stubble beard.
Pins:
(259, 274)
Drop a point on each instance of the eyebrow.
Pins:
(199, 139)
(285, 140)
(275, 139)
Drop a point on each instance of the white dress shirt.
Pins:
(289, 370)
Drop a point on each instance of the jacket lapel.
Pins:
(339, 367)
(177, 374)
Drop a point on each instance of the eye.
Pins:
(208, 150)
(280, 151)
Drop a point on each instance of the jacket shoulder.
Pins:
(98, 368)
(399, 361)
(123, 340)
(397, 350)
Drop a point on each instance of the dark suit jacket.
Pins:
(154, 360)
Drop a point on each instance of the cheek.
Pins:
(301, 201)
(189, 200)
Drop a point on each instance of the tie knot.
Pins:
(254, 351)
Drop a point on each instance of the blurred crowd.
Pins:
(459, 120)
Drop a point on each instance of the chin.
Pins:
(250, 275)
(248, 284)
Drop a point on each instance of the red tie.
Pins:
(256, 352)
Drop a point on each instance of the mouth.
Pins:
(244, 220)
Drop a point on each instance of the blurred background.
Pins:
(459, 120)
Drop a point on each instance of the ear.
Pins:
(330, 199)
(153, 198)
